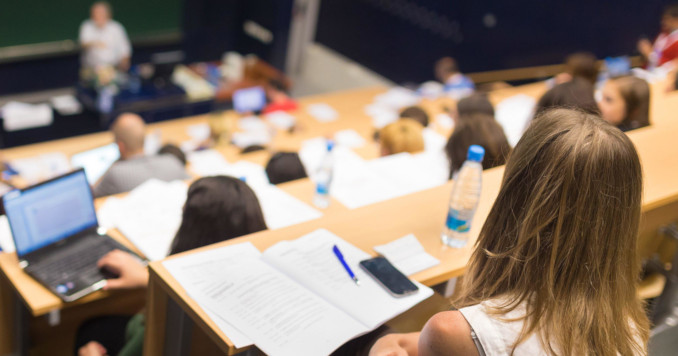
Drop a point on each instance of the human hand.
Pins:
(645, 47)
(131, 273)
(387, 346)
(92, 348)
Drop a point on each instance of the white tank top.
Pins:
(496, 336)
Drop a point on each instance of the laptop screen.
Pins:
(50, 211)
(249, 100)
(96, 161)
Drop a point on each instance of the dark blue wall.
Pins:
(401, 39)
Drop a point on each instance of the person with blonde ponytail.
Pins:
(555, 268)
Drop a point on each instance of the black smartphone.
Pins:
(395, 282)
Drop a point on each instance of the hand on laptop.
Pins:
(92, 348)
(131, 273)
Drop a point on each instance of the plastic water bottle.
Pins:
(464, 199)
(323, 179)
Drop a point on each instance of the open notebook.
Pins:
(294, 297)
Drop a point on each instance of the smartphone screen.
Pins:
(388, 276)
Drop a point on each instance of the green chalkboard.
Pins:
(38, 21)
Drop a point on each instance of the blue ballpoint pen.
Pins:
(337, 253)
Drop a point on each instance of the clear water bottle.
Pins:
(323, 179)
(464, 199)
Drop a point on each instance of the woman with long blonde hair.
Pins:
(555, 268)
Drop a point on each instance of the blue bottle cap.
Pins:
(330, 145)
(475, 153)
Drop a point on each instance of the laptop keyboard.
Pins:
(78, 262)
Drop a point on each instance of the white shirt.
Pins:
(497, 336)
(114, 37)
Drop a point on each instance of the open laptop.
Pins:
(96, 161)
(249, 100)
(55, 230)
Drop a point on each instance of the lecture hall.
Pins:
(328, 177)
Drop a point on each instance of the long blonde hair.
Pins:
(561, 238)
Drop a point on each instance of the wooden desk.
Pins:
(28, 303)
(421, 213)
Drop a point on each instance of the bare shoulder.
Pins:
(447, 333)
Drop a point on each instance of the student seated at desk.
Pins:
(477, 103)
(582, 65)
(575, 94)
(415, 113)
(477, 129)
(135, 167)
(217, 209)
(284, 167)
(175, 151)
(455, 84)
(404, 135)
(626, 103)
(665, 47)
(554, 270)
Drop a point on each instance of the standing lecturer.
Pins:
(104, 40)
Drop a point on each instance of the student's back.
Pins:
(126, 175)
(555, 266)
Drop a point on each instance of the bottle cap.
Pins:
(330, 145)
(475, 153)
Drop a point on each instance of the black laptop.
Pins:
(57, 236)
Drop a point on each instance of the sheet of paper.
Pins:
(198, 132)
(433, 141)
(252, 123)
(276, 313)
(6, 239)
(398, 98)
(281, 209)
(310, 261)
(253, 174)
(281, 120)
(514, 114)
(322, 112)
(66, 105)
(407, 255)
(314, 150)
(381, 114)
(444, 121)
(251, 138)
(187, 271)
(150, 215)
(349, 138)
(42, 167)
(20, 116)
(207, 163)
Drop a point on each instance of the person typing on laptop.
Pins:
(217, 209)
(134, 166)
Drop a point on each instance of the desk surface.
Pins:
(423, 214)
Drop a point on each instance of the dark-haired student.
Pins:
(415, 113)
(583, 65)
(284, 167)
(477, 103)
(665, 47)
(174, 151)
(216, 209)
(454, 82)
(575, 94)
(477, 129)
(536, 283)
(626, 103)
